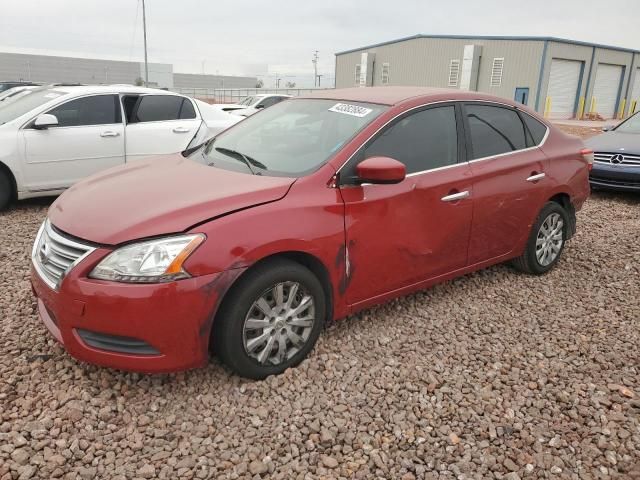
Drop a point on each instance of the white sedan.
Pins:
(15, 92)
(54, 136)
(250, 105)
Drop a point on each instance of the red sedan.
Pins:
(306, 212)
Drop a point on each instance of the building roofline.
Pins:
(491, 37)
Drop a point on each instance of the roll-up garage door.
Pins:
(563, 87)
(635, 94)
(606, 89)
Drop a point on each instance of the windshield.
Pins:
(631, 125)
(248, 101)
(290, 138)
(24, 104)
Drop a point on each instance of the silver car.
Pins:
(616, 163)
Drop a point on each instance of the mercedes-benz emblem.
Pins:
(617, 159)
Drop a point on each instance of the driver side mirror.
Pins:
(380, 170)
(607, 128)
(45, 121)
(259, 106)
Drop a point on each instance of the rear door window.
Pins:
(536, 129)
(187, 112)
(159, 108)
(494, 130)
(94, 110)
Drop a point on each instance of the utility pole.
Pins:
(315, 68)
(319, 77)
(146, 64)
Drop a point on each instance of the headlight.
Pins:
(153, 261)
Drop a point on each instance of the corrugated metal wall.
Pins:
(52, 69)
(189, 80)
(591, 57)
(425, 62)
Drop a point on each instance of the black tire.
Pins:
(6, 190)
(528, 262)
(229, 333)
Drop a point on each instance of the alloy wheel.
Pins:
(279, 323)
(550, 239)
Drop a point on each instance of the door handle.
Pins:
(181, 130)
(456, 196)
(536, 176)
(109, 133)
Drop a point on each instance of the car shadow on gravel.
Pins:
(29, 203)
(630, 198)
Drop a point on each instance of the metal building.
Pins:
(193, 80)
(57, 69)
(557, 77)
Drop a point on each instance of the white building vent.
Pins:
(454, 72)
(357, 75)
(384, 77)
(496, 72)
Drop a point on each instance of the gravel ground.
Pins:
(494, 375)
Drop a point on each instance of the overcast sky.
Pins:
(279, 36)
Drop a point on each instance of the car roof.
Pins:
(88, 89)
(397, 95)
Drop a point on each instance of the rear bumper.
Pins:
(145, 328)
(615, 177)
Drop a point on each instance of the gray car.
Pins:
(616, 163)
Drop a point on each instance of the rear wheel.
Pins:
(546, 242)
(271, 319)
(6, 190)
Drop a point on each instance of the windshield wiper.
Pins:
(248, 161)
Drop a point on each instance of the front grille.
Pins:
(116, 343)
(54, 254)
(627, 159)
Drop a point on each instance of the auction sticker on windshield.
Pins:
(354, 110)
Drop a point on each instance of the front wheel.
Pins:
(546, 242)
(270, 320)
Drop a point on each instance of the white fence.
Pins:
(234, 95)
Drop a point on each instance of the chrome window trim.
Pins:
(542, 142)
(437, 169)
(46, 225)
(81, 126)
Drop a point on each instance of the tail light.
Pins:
(587, 155)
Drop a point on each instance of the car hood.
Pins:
(157, 196)
(615, 142)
